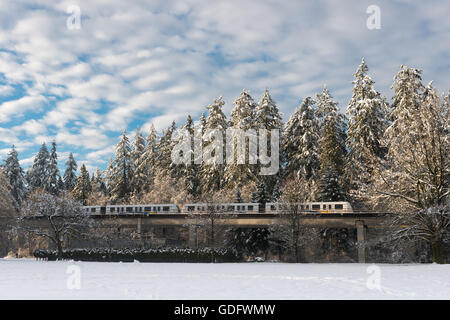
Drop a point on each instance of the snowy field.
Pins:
(31, 279)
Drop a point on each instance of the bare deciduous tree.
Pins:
(56, 218)
(431, 225)
(291, 232)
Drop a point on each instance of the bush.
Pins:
(141, 255)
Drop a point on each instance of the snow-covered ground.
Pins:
(30, 279)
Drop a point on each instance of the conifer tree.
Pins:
(70, 178)
(15, 176)
(52, 185)
(332, 148)
(82, 189)
(366, 112)
(120, 171)
(243, 118)
(211, 174)
(37, 175)
(145, 171)
(136, 158)
(300, 143)
(268, 117)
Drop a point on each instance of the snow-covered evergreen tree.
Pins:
(300, 142)
(37, 175)
(82, 188)
(15, 176)
(211, 174)
(70, 178)
(408, 89)
(53, 172)
(243, 114)
(367, 122)
(99, 192)
(145, 171)
(417, 170)
(332, 148)
(261, 195)
(8, 205)
(190, 172)
(138, 180)
(164, 149)
(243, 117)
(120, 171)
(267, 116)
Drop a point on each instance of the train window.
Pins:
(302, 207)
(147, 208)
(112, 209)
(324, 206)
(93, 210)
(230, 208)
(330, 206)
(307, 207)
(129, 209)
(159, 209)
(250, 208)
(272, 207)
(339, 206)
(315, 206)
(165, 208)
(190, 208)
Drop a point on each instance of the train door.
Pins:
(261, 207)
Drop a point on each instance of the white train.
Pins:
(133, 209)
(201, 208)
(310, 207)
(220, 207)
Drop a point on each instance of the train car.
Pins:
(201, 208)
(94, 210)
(312, 207)
(166, 208)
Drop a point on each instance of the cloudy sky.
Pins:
(136, 62)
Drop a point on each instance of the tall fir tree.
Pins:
(52, 185)
(242, 117)
(332, 148)
(191, 172)
(37, 175)
(82, 188)
(367, 123)
(211, 174)
(136, 158)
(145, 171)
(300, 143)
(268, 117)
(70, 178)
(120, 171)
(405, 113)
(16, 177)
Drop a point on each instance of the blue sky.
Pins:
(141, 62)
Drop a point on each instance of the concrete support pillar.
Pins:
(193, 237)
(139, 227)
(361, 238)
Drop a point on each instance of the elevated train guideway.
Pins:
(331, 220)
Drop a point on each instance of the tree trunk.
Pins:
(60, 250)
(436, 247)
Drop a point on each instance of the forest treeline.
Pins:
(379, 155)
